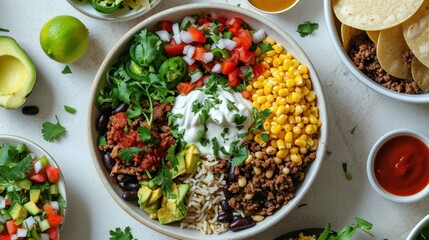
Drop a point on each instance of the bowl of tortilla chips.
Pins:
(384, 43)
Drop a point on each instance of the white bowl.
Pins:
(333, 31)
(119, 15)
(39, 152)
(176, 14)
(277, 12)
(371, 171)
(416, 230)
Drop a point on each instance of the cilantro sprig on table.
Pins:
(119, 234)
(306, 28)
(348, 231)
(52, 131)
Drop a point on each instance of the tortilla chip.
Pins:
(391, 47)
(348, 33)
(374, 15)
(420, 74)
(416, 33)
(373, 35)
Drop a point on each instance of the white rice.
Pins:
(204, 198)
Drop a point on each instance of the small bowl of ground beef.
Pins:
(359, 55)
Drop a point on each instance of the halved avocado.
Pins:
(17, 74)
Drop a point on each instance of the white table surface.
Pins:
(91, 210)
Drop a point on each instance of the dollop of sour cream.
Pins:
(221, 118)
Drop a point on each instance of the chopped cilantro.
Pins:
(264, 137)
(52, 131)
(239, 119)
(215, 146)
(102, 141)
(306, 28)
(127, 154)
(173, 117)
(239, 154)
(196, 106)
(164, 178)
(66, 70)
(69, 109)
(118, 234)
(231, 106)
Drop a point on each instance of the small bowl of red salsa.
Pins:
(398, 166)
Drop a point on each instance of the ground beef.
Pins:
(263, 192)
(363, 55)
(121, 135)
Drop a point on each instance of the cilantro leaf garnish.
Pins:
(118, 234)
(231, 106)
(196, 106)
(264, 137)
(145, 135)
(215, 146)
(52, 131)
(239, 154)
(66, 70)
(164, 178)
(239, 119)
(173, 117)
(306, 28)
(127, 154)
(259, 119)
(348, 231)
(265, 47)
(69, 109)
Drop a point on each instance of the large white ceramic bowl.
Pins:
(39, 152)
(176, 14)
(333, 31)
(124, 14)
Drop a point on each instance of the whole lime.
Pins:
(64, 38)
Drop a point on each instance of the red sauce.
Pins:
(402, 165)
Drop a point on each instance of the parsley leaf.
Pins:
(239, 154)
(231, 106)
(69, 109)
(52, 131)
(265, 47)
(306, 28)
(66, 70)
(118, 234)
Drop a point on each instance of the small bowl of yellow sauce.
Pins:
(272, 6)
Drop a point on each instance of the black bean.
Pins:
(225, 206)
(228, 194)
(129, 186)
(30, 110)
(231, 174)
(102, 123)
(241, 223)
(225, 217)
(120, 108)
(125, 178)
(109, 162)
(106, 108)
(130, 195)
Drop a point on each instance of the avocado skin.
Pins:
(13, 57)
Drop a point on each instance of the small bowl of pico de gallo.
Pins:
(32, 191)
(398, 166)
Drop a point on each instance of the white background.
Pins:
(92, 212)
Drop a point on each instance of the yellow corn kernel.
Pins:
(296, 130)
(260, 92)
(299, 81)
(249, 88)
(295, 63)
(258, 51)
(296, 97)
(274, 108)
(290, 82)
(267, 72)
(309, 129)
(287, 63)
(268, 59)
(305, 119)
(298, 111)
(294, 150)
(305, 76)
(261, 99)
(266, 126)
(281, 109)
(266, 65)
(280, 143)
(300, 143)
(281, 101)
(296, 158)
(257, 84)
(270, 53)
(303, 150)
(281, 119)
(256, 104)
(310, 96)
(291, 119)
(303, 68)
(267, 89)
(250, 136)
(277, 62)
(275, 128)
(276, 89)
(282, 134)
(282, 153)
(310, 142)
(305, 90)
(314, 147)
(258, 138)
(283, 92)
(308, 84)
(278, 48)
(289, 137)
(282, 56)
(273, 143)
(313, 119)
(267, 105)
(299, 124)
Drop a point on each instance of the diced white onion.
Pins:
(2, 219)
(164, 35)
(185, 49)
(32, 155)
(185, 21)
(186, 37)
(177, 39)
(21, 232)
(38, 166)
(216, 68)
(207, 57)
(213, 46)
(176, 29)
(188, 60)
(55, 205)
(196, 76)
(229, 44)
(13, 237)
(258, 36)
(37, 218)
(220, 44)
(3, 203)
(29, 223)
(191, 51)
(44, 236)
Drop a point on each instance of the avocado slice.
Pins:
(181, 166)
(192, 158)
(17, 212)
(32, 208)
(144, 195)
(17, 74)
(173, 206)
